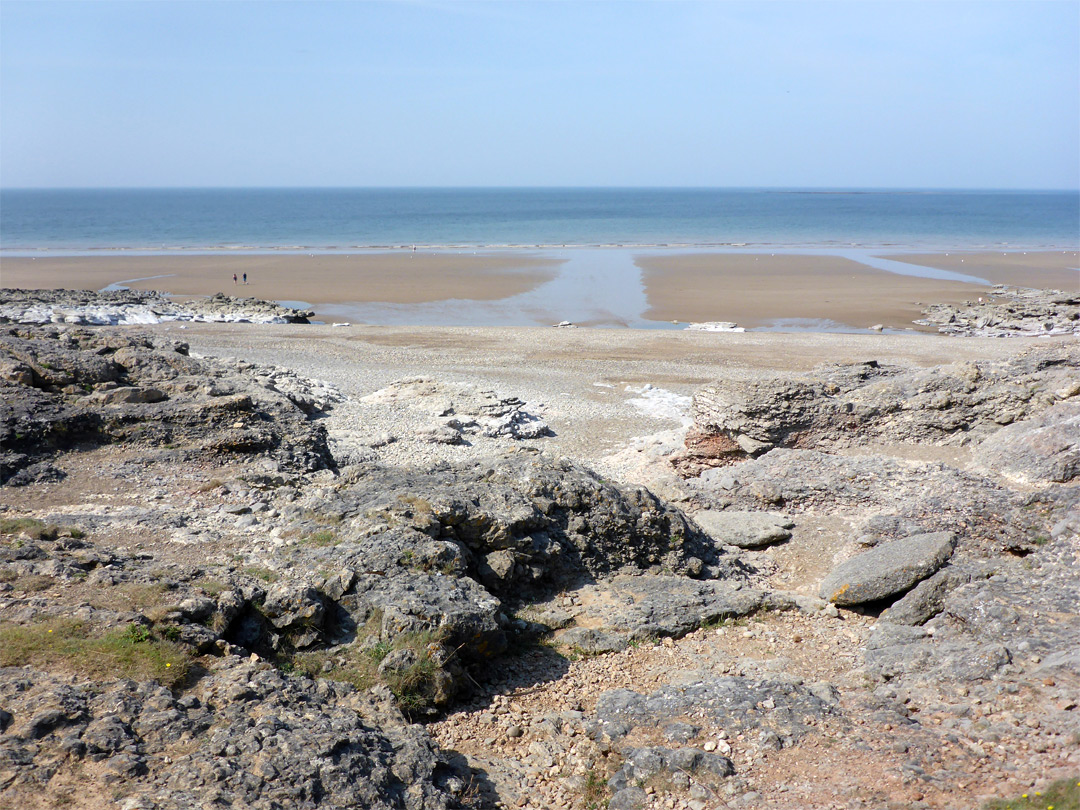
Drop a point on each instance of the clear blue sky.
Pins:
(864, 94)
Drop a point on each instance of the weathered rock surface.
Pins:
(744, 529)
(840, 406)
(1041, 450)
(887, 569)
(463, 409)
(64, 388)
(1020, 616)
(1008, 312)
(244, 736)
(127, 307)
(778, 708)
(669, 658)
(639, 608)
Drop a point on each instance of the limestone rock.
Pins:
(1040, 450)
(126, 307)
(744, 529)
(844, 405)
(154, 394)
(887, 569)
(1008, 312)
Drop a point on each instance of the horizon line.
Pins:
(810, 188)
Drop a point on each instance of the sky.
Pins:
(724, 94)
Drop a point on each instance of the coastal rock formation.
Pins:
(464, 409)
(68, 388)
(244, 736)
(887, 569)
(128, 307)
(187, 618)
(1040, 450)
(744, 529)
(840, 406)
(1008, 312)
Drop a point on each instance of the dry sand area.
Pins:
(754, 289)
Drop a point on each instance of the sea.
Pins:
(87, 221)
(594, 234)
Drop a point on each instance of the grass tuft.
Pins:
(414, 686)
(32, 527)
(323, 537)
(1064, 794)
(72, 646)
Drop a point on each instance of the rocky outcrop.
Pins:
(1008, 312)
(628, 609)
(68, 387)
(776, 709)
(462, 409)
(841, 406)
(244, 736)
(1037, 451)
(132, 307)
(246, 630)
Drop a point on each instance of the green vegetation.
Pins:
(31, 583)
(212, 587)
(143, 597)
(1063, 794)
(265, 574)
(31, 527)
(595, 792)
(75, 647)
(414, 684)
(324, 537)
(38, 530)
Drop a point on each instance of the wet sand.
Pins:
(1045, 270)
(392, 277)
(512, 287)
(754, 290)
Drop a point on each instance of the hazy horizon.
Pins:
(792, 189)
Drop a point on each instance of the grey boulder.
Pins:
(744, 529)
(888, 569)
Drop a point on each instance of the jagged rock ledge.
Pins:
(1008, 312)
(127, 307)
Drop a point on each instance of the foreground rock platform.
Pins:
(295, 621)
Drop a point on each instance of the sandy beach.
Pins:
(617, 287)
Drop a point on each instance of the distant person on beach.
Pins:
(245, 278)
(234, 278)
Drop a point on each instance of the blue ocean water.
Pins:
(343, 219)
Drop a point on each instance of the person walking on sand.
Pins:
(234, 279)
(245, 278)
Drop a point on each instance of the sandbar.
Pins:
(389, 277)
(1047, 270)
(757, 290)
